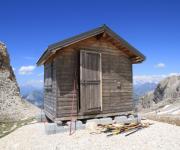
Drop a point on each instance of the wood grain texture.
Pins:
(90, 82)
(116, 79)
(50, 89)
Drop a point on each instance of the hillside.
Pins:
(12, 107)
(163, 104)
(166, 92)
(142, 88)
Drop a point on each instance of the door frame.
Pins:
(100, 74)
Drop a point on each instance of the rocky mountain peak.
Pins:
(167, 91)
(5, 66)
(4, 57)
(11, 105)
(168, 88)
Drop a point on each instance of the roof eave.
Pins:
(125, 43)
(40, 61)
(59, 45)
(72, 40)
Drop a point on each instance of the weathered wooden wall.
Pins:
(66, 64)
(50, 89)
(116, 78)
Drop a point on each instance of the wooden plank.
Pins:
(116, 67)
(90, 81)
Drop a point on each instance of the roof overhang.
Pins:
(138, 57)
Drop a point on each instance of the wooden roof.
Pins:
(136, 56)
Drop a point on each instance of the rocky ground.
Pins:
(169, 113)
(159, 136)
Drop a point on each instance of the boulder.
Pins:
(106, 121)
(121, 119)
(53, 128)
(78, 124)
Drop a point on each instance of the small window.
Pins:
(48, 78)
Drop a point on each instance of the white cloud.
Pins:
(14, 69)
(160, 65)
(148, 79)
(174, 74)
(140, 79)
(26, 70)
(33, 83)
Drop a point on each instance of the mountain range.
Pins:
(166, 92)
(142, 88)
(35, 94)
(32, 94)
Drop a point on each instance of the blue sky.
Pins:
(153, 27)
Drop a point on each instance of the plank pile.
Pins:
(115, 129)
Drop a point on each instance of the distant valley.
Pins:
(32, 94)
(140, 89)
(35, 94)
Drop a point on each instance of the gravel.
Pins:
(159, 136)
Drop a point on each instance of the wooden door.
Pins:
(90, 82)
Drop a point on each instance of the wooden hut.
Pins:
(89, 76)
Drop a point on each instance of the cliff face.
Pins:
(6, 71)
(11, 105)
(167, 91)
